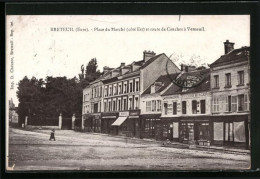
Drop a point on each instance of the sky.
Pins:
(40, 52)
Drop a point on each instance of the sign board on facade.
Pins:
(125, 113)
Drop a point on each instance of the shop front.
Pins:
(168, 129)
(232, 130)
(96, 127)
(107, 120)
(150, 126)
(195, 130)
(88, 122)
(127, 124)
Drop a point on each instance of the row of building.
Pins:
(143, 100)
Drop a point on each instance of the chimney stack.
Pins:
(148, 55)
(105, 69)
(228, 46)
(122, 65)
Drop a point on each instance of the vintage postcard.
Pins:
(128, 92)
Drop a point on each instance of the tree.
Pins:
(91, 68)
(29, 95)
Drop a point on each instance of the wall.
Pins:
(150, 97)
(188, 98)
(157, 68)
(235, 90)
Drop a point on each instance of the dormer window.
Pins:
(152, 89)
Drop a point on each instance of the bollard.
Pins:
(60, 121)
(73, 122)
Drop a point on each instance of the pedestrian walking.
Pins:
(52, 134)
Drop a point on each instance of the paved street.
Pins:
(32, 150)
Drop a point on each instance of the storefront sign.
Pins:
(134, 113)
(125, 113)
(195, 95)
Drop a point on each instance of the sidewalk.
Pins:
(182, 145)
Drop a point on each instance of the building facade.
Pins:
(93, 103)
(142, 100)
(230, 87)
(117, 109)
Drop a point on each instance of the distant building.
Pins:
(119, 113)
(230, 86)
(13, 116)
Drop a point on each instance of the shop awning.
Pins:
(119, 121)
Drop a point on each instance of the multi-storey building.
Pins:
(122, 88)
(230, 86)
(93, 103)
(185, 115)
(176, 113)
(151, 106)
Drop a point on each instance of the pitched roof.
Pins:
(236, 55)
(204, 85)
(148, 62)
(166, 80)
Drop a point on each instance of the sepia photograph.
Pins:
(128, 92)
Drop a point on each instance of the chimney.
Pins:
(105, 69)
(148, 55)
(184, 68)
(122, 65)
(228, 46)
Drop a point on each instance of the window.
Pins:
(153, 105)
(216, 81)
(215, 104)
(105, 92)
(241, 78)
(174, 108)
(194, 107)
(165, 105)
(202, 107)
(92, 93)
(131, 87)
(119, 89)
(110, 90)
(105, 106)
(97, 92)
(241, 102)
(115, 90)
(114, 105)
(136, 102)
(159, 105)
(184, 107)
(100, 91)
(137, 85)
(109, 106)
(229, 132)
(228, 104)
(125, 88)
(130, 103)
(234, 103)
(228, 80)
(95, 107)
(125, 104)
(148, 106)
(119, 104)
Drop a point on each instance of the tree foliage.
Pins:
(48, 98)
